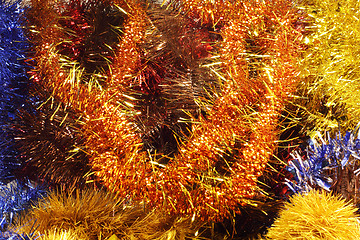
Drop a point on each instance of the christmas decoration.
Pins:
(48, 138)
(328, 164)
(172, 119)
(60, 235)
(329, 95)
(229, 139)
(95, 214)
(15, 198)
(49, 135)
(316, 215)
(13, 236)
(13, 82)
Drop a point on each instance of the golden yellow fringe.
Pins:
(316, 215)
(330, 65)
(96, 215)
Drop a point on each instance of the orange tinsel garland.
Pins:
(217, 168)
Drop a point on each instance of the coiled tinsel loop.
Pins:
(217, 164)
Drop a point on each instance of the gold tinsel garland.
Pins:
(95, 214)
(329, 92)
(316, 215)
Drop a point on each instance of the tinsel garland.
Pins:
(13, 236)
(210, 84)
(37, 135)
(61, 235)
(216, 168)
(13, 82)
(330, 164)
(329, 92)
(178, 107)
(49, 135)
(172, 80)
(316, 215)
(96, 214)
(49, 142)
(15, 198)
(204, 146)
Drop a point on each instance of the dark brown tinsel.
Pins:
(91, 30)
(49, 142)
(174, 83)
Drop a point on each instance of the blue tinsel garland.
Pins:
(13, 80)
(16, 197)
(321, 164)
